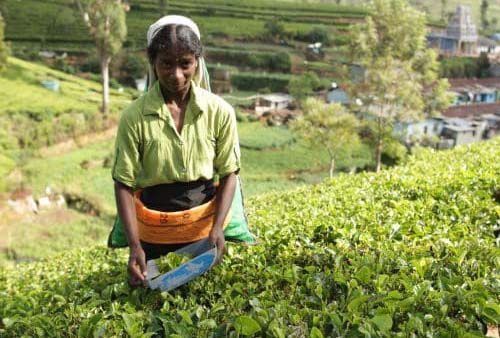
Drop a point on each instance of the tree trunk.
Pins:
(332, 166)
(378, 154)
(378, 149)
(105, 60)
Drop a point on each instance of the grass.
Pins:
(258, 137)
(35, 116)
(48, 232)
(21, 90)
(93, 184)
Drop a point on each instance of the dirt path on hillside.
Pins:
(66, 146)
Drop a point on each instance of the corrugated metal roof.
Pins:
(472, 110)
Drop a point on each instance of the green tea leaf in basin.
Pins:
(171, 261)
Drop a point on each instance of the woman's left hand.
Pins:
(216, 237)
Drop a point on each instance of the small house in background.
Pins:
(474, 91)
(488, 46)
(272, 102)
(457, 125)
(417, 130)
(493, 121)
(463, 131)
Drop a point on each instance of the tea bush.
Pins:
(408, 252)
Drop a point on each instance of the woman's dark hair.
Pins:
(171, 35)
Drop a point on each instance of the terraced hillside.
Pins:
(57, 26)
(33, 116)
(409, 252)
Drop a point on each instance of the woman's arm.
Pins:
(126, 210)
(224, 199)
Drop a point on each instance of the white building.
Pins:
(272, 102)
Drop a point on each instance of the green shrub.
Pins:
(128, 67)
(394, 153)
(317, 34)
(240, 117)
(341, 40)
(254, 82)
(458, 67)
(276, 62)
(410, 251)
(92, 65)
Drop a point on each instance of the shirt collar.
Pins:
(155, 105)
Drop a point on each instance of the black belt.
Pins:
(178, 196)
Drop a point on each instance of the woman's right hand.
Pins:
(137, 270)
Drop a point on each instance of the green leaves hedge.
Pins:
(409, 252)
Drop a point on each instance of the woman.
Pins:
(170, 143)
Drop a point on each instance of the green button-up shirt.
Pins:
(149, 150)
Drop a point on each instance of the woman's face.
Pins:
(175, 68)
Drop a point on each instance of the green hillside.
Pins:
(36, 116)
(409, 252)
(57, 25)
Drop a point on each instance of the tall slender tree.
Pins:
(401, 75)
(4, 50)
(105, 20)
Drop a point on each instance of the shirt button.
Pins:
(183, 169)
(181, 143)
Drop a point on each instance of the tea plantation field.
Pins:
(55, 24)
(32, 116)
(410, 252)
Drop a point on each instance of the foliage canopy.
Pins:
(401, 74)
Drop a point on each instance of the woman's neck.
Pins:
(180, 98)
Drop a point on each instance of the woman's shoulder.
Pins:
(133, 112)
(213, 103)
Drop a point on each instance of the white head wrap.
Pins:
(201, 77)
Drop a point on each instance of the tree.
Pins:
(274, 30)
(4, 50)
(401, 75)
(106, 22)
(328, 126)
(483, 65)
(484, 14)
(301, 86)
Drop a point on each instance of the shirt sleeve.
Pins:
(127, 162)
(227, 149)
